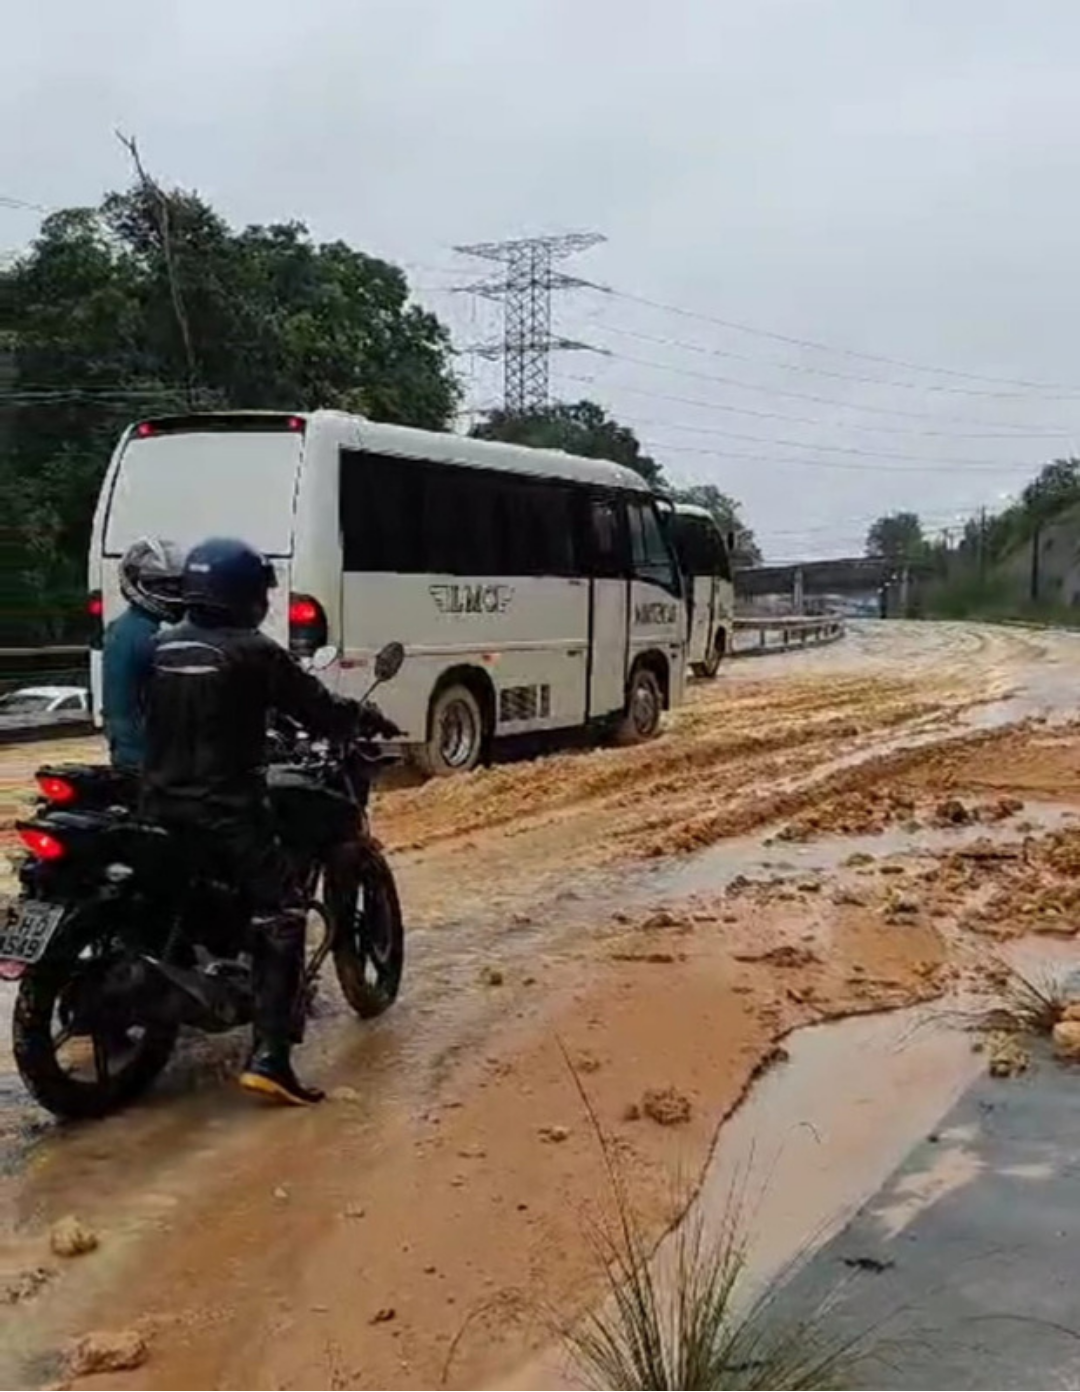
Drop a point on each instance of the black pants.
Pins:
(241, 846)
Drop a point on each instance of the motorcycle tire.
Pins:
(41, 990)
(369, 935)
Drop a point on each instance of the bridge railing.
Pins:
(757, 637)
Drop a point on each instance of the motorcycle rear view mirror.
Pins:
(388, 662)
(321, 659)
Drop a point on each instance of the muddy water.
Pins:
(815, 1138)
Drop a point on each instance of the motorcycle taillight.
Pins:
(56, 790)
(41, 844)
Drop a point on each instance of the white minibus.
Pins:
(533, 590)
(704, 556)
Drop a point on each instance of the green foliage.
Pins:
(897, 537)
(152, 303)
(989, 574)
(583, 427)
(726, 512)
(579, 427)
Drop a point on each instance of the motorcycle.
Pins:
(121, 936)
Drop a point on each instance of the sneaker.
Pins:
(273, 1078)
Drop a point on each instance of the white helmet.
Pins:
(150, 577)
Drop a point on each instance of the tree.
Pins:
(897, 537)
(725, 510)
(1055, 487)
(110, 319)
(580, 427)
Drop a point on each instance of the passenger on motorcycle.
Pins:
(215, 681)
(150, 582)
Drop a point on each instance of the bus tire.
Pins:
(456, 733)
(640, 720)
(709, 668)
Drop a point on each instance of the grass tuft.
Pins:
(690, 1322)
(1028, 1004)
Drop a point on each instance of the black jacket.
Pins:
(207, 703)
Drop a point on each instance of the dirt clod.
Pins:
(666, 1106)
(344, 1094)
(26, 1285)
(71, 1237)
(385, 1315)
(1067, 1039)
(554, 1135)
(1006, 1056)
(106, 1351)
(491, 976)
(952, 812)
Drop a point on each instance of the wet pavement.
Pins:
(969, 1255)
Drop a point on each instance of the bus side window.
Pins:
(652, 558)
(379, 508)
(606, 540)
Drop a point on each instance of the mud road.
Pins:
(838, 833)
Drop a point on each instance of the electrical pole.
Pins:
(1036, 538)
(525, 287)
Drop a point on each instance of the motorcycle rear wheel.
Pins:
(81, 947)
(369, 935)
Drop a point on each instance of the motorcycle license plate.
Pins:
(29, 930)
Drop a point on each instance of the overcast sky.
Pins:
(896, 177)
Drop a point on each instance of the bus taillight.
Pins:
(307, 625)
(95, 609)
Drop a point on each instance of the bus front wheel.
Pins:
(640, 720)
(455, 733)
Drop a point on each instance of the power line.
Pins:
(525, 292)
(666, 342)
(969, 466)
(819, 346)
(1019, 435)
(20, 204)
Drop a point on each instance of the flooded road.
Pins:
(607, 911)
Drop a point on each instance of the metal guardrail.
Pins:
(754, 637)
(758, 637)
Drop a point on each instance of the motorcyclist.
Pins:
(215, 680)
(150, 582)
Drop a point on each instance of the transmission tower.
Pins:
(524, 288)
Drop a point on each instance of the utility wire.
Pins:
(1019, 435)
(818, 346)
(683, 345)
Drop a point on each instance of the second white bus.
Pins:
(533, 590)
(704, 555)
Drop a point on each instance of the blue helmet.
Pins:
(229, 581)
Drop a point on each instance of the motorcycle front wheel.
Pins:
(368, 932)
(76, 1061)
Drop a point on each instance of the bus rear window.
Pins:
(193, 484)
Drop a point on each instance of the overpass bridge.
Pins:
(849, 575)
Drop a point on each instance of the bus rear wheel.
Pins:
(455, 741)
(640, 720)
